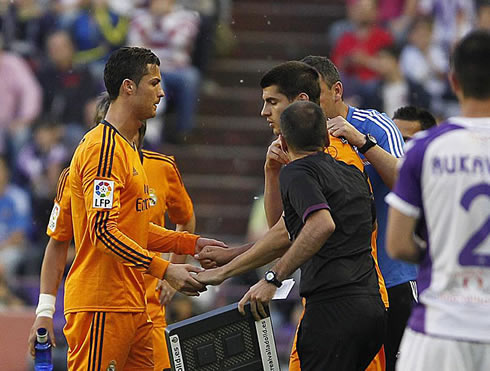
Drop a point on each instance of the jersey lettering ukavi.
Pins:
(445, 182)
(390, 139)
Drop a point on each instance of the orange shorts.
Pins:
(160, 352)
(109, 340)
(377, 364)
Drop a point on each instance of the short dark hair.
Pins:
(103, 103)
(412, 113)
(327, 69)
(127, 63)
(293, 78)
(303, 126)
(470, 61)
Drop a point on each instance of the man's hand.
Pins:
(211, 277)
(167, 292)
(179, 277)
(214, 256)
(339, 127)
(203, 242)
(45, 322)
(275, 157)
(259, 294)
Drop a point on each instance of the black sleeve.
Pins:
(303, 191)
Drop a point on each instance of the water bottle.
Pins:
(42, 359)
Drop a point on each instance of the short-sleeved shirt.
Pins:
(444, 183)
(390, 139)
(60, 225)
(168, 194)
(344, 265)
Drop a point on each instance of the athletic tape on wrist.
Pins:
(46, 306)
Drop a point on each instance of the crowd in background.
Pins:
(391, 53)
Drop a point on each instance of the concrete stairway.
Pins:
(222, 166)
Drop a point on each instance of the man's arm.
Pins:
(273, 245)
(317, 229)
(385, 163)
(276, 157)
(400, 243)
(51, 274)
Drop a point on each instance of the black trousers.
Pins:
(341, 334)
(401, 302)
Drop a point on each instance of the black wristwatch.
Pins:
(370, 143)
(270, 276)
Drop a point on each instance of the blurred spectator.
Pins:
(397, 15)
(354, 50)
(483, 15)
(8, 299)
(25, 25)
(20, 102)
(170, 32)
(426, 63)
(67, 88)
(15, 221)
(410, 120)
(452, 19)
(96, 32)
(38, 165)
(394, 90)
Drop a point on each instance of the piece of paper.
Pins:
(283, 291)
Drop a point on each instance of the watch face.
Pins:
(372, 139)
(269, 276)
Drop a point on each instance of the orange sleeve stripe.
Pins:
(61, 184)
(168, 160)
(115, 245)
(107, 152)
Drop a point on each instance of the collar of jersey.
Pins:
(107, 123)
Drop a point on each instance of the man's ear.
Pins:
(284, 145)
(455, 85)
(302, 96)
(128, 87)
(338, 89)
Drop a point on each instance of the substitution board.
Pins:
(222, 339)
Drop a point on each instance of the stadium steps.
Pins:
(222, 162)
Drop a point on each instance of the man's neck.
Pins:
(119, 117)
(471, 107)
(342, 109)
(296, 155)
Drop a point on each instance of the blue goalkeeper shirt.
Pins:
(380, 126)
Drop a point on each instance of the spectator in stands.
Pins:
(483, 15)
(170, 32)
(397, 15)
(96, 32)
(15, 221)
(394, 90)
(67, 88)
(38, 166)
(355, 51)
(426, 63)
(410, 120)
(20, 102)
(452, 19)
(7, 298)
(25, 26)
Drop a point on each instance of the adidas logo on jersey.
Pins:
(134, 172)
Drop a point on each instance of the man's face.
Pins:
(148, 93)
(274, 104)
(327, 100)
(408, 128)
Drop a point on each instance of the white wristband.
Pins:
(46, 305)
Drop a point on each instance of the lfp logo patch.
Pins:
(103, 194)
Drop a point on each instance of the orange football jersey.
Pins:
(60, 225)
(110, 204)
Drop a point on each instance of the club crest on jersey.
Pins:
(103, 194)
(153, 197)
(55, 213)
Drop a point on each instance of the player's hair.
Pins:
(470, 61)
(303, 126)
(325, 67)
(127, 63)
(293, 78)
(412, 113)
(103, 103)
